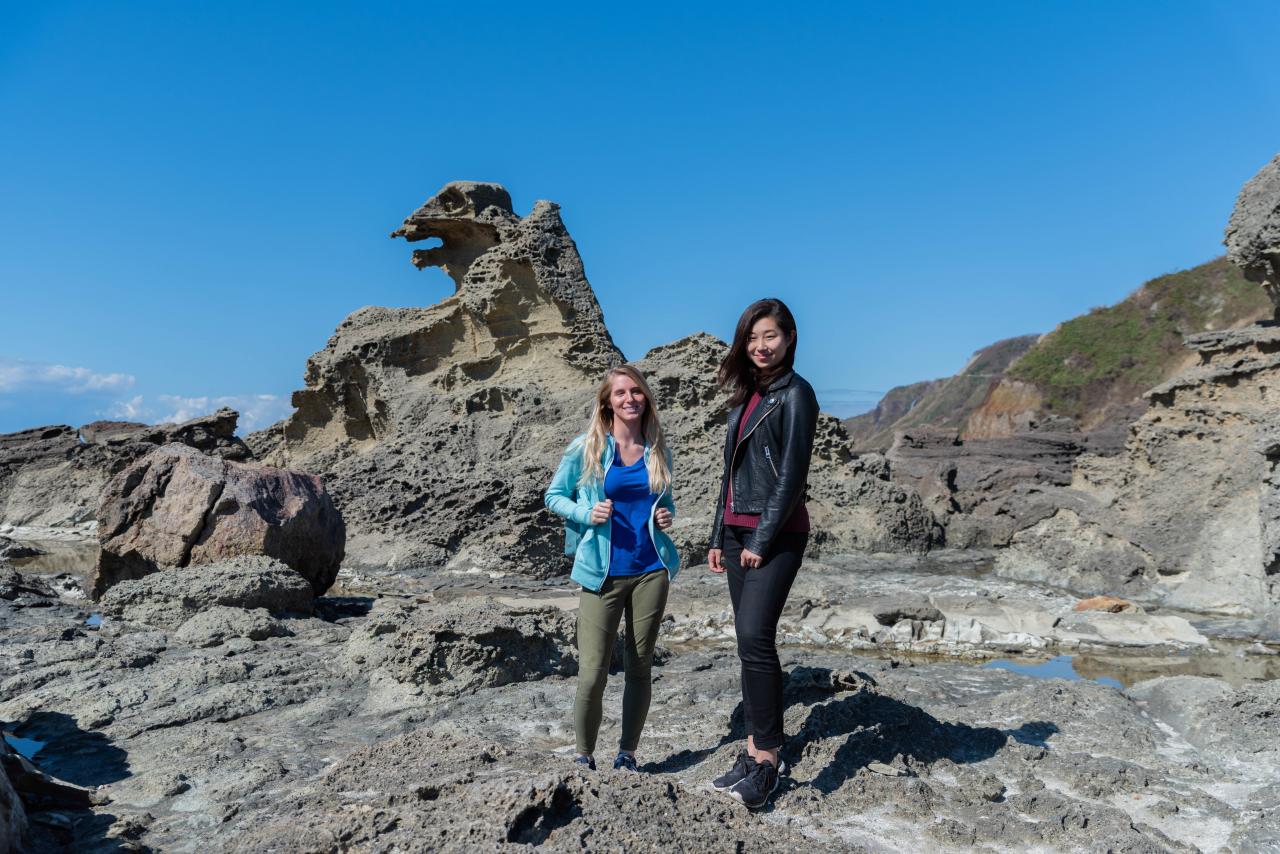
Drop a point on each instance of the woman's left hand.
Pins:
(750, 560)
(663, 518)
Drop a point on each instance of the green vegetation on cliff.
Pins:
(1111, 355)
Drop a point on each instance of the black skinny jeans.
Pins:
(758, 596)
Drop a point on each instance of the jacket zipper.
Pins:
(733, 459)
(608, 561)
(769, 457)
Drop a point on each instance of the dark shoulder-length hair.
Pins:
(737, 372)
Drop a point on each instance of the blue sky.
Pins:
(195, 195)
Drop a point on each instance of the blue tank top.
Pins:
(632, 547)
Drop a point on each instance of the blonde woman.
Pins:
(613, 487)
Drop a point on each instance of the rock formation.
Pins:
(177, 507)
(1189, 515)
(52, 476)
(437, 429)
(1253, 232)
(985, 490)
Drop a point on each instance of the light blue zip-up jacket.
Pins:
(590, 544)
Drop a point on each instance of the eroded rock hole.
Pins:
(535, 824)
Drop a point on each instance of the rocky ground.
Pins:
(209, 709)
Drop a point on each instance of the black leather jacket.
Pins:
(769, 461)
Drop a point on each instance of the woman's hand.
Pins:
(662, 518)
(601, 512)
(750, 560)
(713, 560)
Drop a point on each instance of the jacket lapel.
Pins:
(767, 402)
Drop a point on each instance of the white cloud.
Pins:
(256, 410)
(22, 375)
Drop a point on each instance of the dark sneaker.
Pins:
(625, 762)
(742, 765)
(585, 760)
(755, 788)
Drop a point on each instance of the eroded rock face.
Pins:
(1190, 512)
(168, 599)
(178, 507)
(438, 429)
(52, 476)
(459, 647)
(1253, 232)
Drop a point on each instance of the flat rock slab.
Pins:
(169, 599)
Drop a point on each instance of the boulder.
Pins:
(169, 599)
(1188, 516)
(52, 476)
(177, 507)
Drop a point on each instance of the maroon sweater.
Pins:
(797, 523)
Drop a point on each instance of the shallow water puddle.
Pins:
(28, 747)
(94, 621)
(1059, 667)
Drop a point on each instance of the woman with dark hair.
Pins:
(761, 524)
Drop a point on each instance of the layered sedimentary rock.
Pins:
(986, 490)
(52, 476)
(1189, 515)
(438, 429)
(177, 507)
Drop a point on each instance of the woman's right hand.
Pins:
(601, 512)
(713, 560)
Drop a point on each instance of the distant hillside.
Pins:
(943, 403)
(1088, 374)
(1094, 368)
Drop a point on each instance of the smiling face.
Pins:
(767, 344)
(627, 400)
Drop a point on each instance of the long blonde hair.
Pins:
(601, 425)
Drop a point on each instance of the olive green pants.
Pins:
(642, 599)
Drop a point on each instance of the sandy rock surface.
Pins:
(442, 720)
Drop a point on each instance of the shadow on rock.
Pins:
(874, 727)
(78, 756)
(335, 608)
